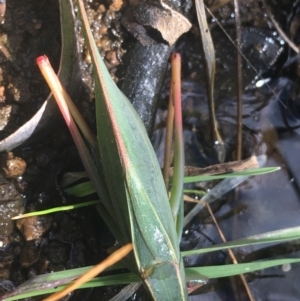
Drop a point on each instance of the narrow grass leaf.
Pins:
(224, 187)
(247, 172)
(57, 209)
(236, 269)
(119, 279)
(278, 236)
(218, 191)
(81, 190)
(195, 191)
(193, 273)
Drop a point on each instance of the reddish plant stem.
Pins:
(66, 106)
(169, 138)
(176, 200)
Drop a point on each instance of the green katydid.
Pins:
(128, 180)
(132, 166)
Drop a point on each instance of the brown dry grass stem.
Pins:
(97, 269)
(239, 125)
(210, 66)
(228, 167)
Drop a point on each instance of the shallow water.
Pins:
(261, 204)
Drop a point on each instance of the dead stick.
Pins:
(221, 168)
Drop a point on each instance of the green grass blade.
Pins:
(218, 191)
(81, 190)
(37, 285)
(26, 291)
(278, 236)
(57, 209)
(236, 269)
(195, 191)
(247, 172)
(192, 274)
(224, 187)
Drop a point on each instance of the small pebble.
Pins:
(33, 228)
(13, 166)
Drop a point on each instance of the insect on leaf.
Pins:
(135, 184)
